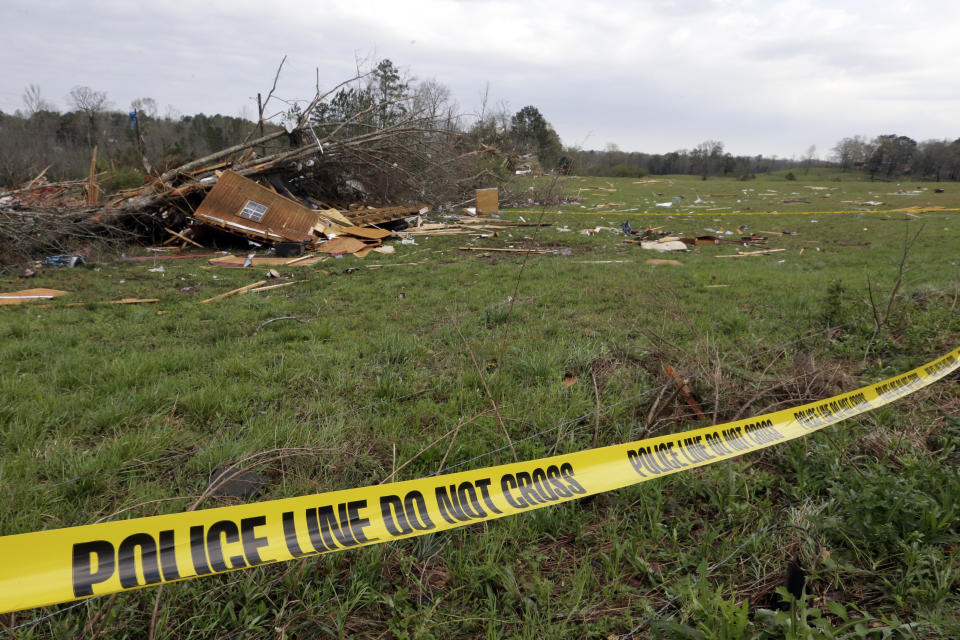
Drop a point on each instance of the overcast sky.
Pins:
(660, 75)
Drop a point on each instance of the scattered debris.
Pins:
(184, 256)
(238, 261)
(505, 250)
(488, 201)
(664, 244)
(241, 290)
(569, 380)
(682, 385)
(231, 482)
(66, 260)
(29, 295)
(272, 286)
(741, 254)
(120, 301)
(656, 261)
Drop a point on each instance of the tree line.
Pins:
(136, 141)
(885, 157)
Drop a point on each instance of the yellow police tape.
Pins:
(49, 567)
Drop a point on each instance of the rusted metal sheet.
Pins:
(244, 207)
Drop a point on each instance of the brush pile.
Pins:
(355, 156)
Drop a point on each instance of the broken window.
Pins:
(253, 211)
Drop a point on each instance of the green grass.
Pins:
(820, 190)
(870, 507)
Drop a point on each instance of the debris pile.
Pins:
(310, 183)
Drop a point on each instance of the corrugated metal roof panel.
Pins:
(245, 207)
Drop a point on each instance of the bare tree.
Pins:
(809, 157)
(145, 106)
(34, 102)
(850, 152)
(705, 155)
(92, 104)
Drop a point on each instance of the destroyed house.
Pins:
(245, 207)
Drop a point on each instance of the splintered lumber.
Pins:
(367, 233)
(235, 291)
(681, 384)
(539, 251)
(274, 286)
(305, 256)
(120, 301)
(27, 295)
(333, 215)
(182, 256)
(93, 189)
(183, 237)
(238, 261)
(503, 223)
(742, 254)
(341, 245)
(365, 217)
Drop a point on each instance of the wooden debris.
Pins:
(487, 201)
(238, 261)
(306, 256)
(235, 291)
(536, 251)
(273, 286)
(120, 301)
(93, 189)
(569, 380)
(684, 388)
(180, 256)
(742, 254)
(183, 237)
(29, 295)
(341, 245)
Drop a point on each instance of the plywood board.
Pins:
(487, 201)
(29, 295)
(342, 244)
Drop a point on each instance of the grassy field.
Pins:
(124, 411)
(820, 190)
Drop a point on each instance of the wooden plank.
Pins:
(183, 237)
(503, 250)
(341, 244)
(93, 189)
(305, 256)
(273, 286)
(120, 301)
(27, 295)
(487, 201)
(237, 261)
(752, 253)
(365, 232)
(235, 291)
